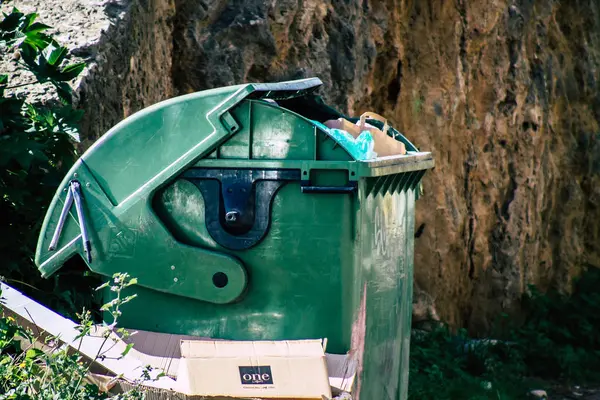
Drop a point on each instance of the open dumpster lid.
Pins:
(285, 90)
(132, 160)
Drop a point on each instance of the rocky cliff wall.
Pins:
(503, 92)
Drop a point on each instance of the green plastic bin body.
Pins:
(242, 220)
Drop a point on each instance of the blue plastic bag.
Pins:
(360, 148)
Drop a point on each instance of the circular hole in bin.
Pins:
(352, 173)
(220, 280)
(304, 173)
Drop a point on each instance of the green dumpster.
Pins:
(242, 219)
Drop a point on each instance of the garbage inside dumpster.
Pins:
(384, 145)
(360, 147)
(248, 220)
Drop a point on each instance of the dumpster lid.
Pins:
(285, 90)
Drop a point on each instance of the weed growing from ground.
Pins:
(57, 372)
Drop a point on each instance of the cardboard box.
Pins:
(265, 369)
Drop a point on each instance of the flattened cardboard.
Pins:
(45, 322)
(262, 369)
(161, 351)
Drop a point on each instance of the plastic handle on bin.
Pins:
(351, 188)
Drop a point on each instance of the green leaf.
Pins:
(71, 71)
(29, 53)
(11, 21)
(64, 91)
(29, 18)
(36, 28)
(37, 39)
(127, 349)
(33, 353)
(129, 298)
(103, 286)
(54, 54)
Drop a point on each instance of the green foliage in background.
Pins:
(560, 339)
(558, 342)
(444, 365)
(36, 150)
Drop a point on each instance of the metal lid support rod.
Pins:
(73, 196)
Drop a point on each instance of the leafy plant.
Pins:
(58, 373)
(36, 150)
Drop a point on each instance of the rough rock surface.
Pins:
(505, 93)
